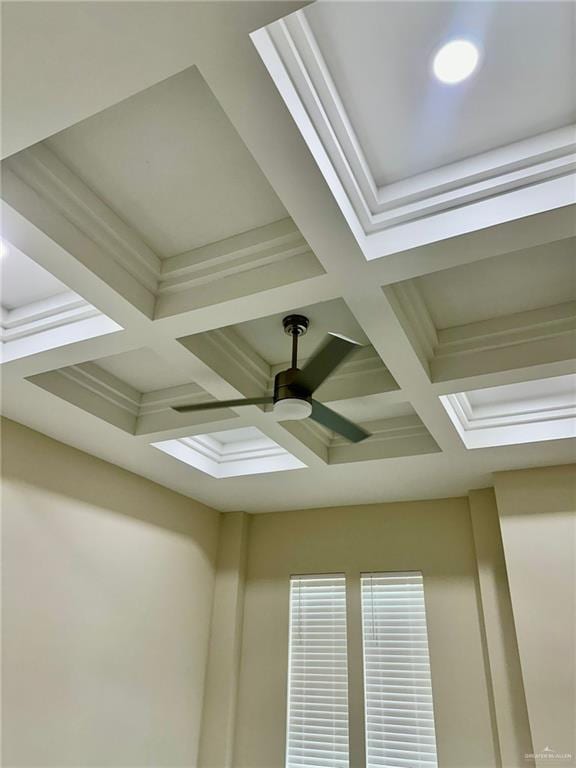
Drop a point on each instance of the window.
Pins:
(318, 673)
(397, 687)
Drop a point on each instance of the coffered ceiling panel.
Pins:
(518, 282)
(266, 335)
(513, 311)
(133, 392)
(372, 407)
(146, 370)
(232, 453)
(409, 159)
(250, 354)
(38, 312)
(539, 410)
(170, 163)
(407, 122)
(159, 196)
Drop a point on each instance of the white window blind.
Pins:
(398, 691)
(318, 673)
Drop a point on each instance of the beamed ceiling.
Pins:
(177, 177)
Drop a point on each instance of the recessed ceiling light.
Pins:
(3, 249)
(455, 61)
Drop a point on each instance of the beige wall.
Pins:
(434, 537)
(107, 591)
(221, 697)
(120, 651)
(537, 510)
(510, 714)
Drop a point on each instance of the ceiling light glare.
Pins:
(3, 249)
(455, 61)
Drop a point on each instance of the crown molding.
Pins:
(540, 337)
(89, 387)
(519, 340)
(226, 352)
(472, 194)
(44, 190)
(161, 399)
(414, 317)
(42, 171)
(156, 415)
(239, 253)
(252, 456)
(40, 210)
(105, 385)
(550, 416)
(96, 391)
(42, 315)
(50, 323)
(262, 258)
(517, 328)
(383, 430)
(230, 453)
(389, 438)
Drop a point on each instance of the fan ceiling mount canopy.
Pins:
(293, 388)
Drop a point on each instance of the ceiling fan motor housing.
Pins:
(290, 402)
(284, 387)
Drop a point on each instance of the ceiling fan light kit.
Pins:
(293, 388)
(292, 409)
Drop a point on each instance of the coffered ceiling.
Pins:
(38, 312)
(229, 164)
(171, 162)
(378, 56)
(25, 282)
(411, 160)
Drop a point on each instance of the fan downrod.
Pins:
(295, 326)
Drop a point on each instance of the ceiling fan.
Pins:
(293, 388)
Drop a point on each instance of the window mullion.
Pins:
(355, 672)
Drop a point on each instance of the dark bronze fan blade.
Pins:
(329, 418)
(216, 404)
(331, 354)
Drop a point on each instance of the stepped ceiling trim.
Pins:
(49, 323)
(522, 339)
(42, 171)
(549, 415)
(265, 257)
(518, 180)
(255, 455)
(99, 392)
